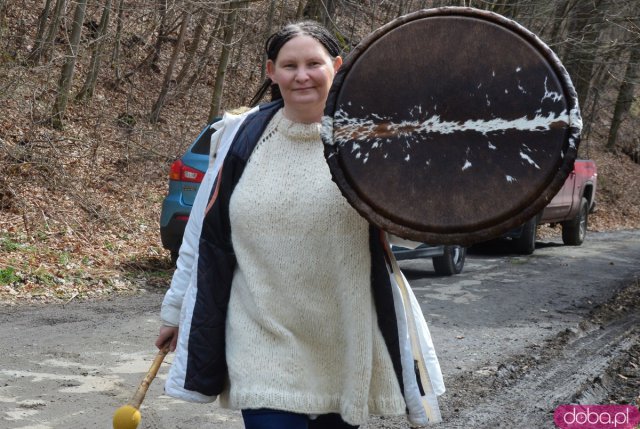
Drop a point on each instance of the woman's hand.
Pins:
(167, 335)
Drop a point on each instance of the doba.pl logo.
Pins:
(596, 417)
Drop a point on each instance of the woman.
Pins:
(283, 295)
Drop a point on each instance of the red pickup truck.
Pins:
(570, 208)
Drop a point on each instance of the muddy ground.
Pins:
(516, 337)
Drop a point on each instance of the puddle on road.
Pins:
(85, 383)
(59, 363)
(19, 414)
(132, 363)
(455, 292)
(64, 381)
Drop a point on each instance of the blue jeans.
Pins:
(265, 418)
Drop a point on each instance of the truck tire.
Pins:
(575, 230)
(526, 243)
(174, 255)
(451, 262)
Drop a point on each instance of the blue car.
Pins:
(187, 173)
(185, 177)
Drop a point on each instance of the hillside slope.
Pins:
(79, 207)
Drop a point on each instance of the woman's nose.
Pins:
(302, 74)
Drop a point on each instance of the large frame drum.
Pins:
(451, 126)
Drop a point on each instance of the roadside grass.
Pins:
(152, 271)
(51, 269)
(13, 244)
(8, 275)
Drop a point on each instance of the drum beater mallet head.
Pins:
(128, 416)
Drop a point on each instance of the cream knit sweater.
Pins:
(302, 333)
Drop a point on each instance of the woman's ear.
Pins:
(270, 70)
(337, 62)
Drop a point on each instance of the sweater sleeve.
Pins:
(220, 142)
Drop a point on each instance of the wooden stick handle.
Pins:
(138, 397)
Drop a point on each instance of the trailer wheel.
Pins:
(451, 262)
(526, 243)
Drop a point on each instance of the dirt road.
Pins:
(516, 337)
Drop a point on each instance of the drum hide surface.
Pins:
(451, 126)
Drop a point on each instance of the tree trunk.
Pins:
(625, 95)
(268, 29)
(402, 6)
(584, 29)
(354, 13)
(229, 30)
(284, 9)
(157, 107)
(312, 9)
(506, 8)
(322, 11)
(600, 87)
(42, 26)
(560, 19)
(204, 58)
(96, 56)
(66, 76)
(328, 13)
(3, 16)
(191, 52)
(152, 60)
(373, 16)
(300, 9)
(42, 50)
(117, 43)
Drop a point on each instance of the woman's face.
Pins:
(304, 72)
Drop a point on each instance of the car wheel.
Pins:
(526, 243)
(575, 230)
(451, 262)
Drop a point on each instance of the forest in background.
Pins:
(98, 97)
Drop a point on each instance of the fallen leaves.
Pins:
(79, 208)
